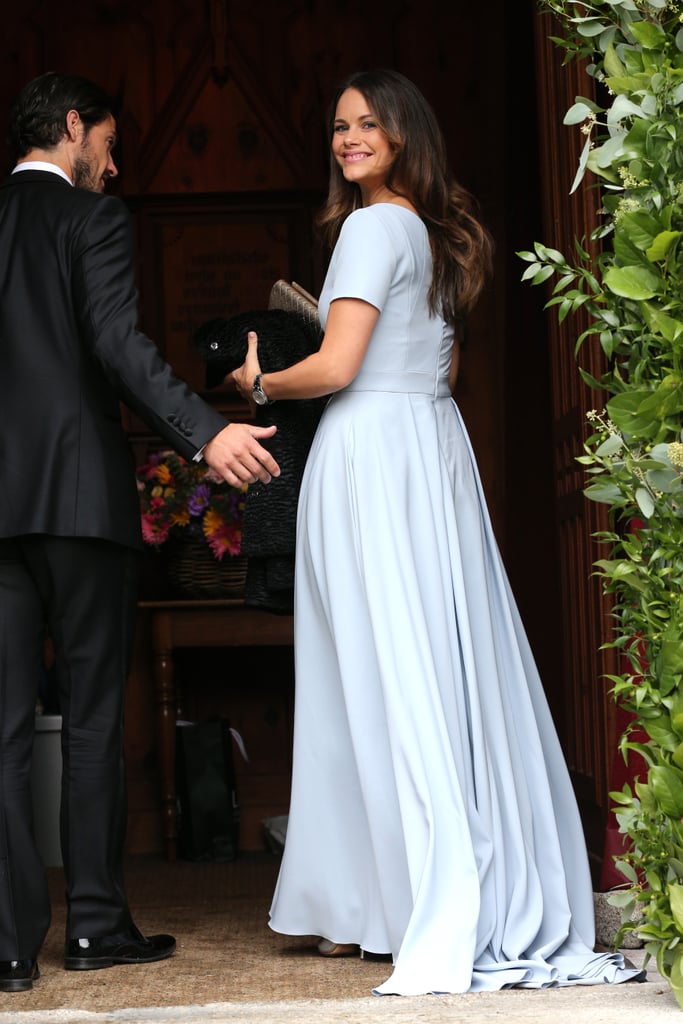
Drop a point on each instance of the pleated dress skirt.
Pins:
(432, 815)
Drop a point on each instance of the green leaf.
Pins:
(665, 480)
(577, 113)
(676, 973)
(675, 891)
(660, 323)
(554, 256)
(625, 84)
(649, 36)
(627, 870)
(620, 899)
(659, 730)
(590, 27)
(563, 282)
(625, 412)
(629, 245)
(543, 274)
(662, 244)
(610, 151)
(603, 492)
(586, 377)
(611, 445)
(615, 566)
(671, 653)
(546, 254)
(646, 797)
(640, 227)
(589, 159)
(665, 400)
(667, 786)
(633, 282)
(583, 163)
(613, 65)
(621, 108)
(645, 502)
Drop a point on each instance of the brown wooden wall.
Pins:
(223, 152)
(223, 159)
(586, 708)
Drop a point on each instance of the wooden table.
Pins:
(224, 623)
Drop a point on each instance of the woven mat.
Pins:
(230, 966)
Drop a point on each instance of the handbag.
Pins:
(208, 811)
(295, 299)
(289, 330)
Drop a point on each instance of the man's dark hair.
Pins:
(38, 116)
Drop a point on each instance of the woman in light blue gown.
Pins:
(432, 815)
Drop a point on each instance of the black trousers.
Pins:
(83, 592)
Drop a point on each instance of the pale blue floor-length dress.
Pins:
(432, 815)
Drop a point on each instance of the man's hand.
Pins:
(236, 455)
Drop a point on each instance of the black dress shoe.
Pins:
(130, 947)
(18, 975)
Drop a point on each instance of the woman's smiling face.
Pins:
(360, 147)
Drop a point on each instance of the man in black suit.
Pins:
(69, 512)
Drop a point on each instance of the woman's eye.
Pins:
(339, 128)
(369, 124)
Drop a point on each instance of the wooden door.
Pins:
(587, 718)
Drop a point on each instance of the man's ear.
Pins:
(74, 125)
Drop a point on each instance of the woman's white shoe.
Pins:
(328, 948)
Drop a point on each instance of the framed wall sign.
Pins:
(215, 256)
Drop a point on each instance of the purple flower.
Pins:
(199, 499)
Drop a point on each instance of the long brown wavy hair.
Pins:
(461, 246)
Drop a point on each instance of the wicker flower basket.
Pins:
(194, 572)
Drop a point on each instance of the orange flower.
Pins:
(177, 495)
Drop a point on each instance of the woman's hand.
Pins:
(243, 376)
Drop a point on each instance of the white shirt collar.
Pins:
(42, 165)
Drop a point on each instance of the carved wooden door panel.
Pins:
(588, 720)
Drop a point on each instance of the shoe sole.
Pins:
(19, 984)
(97, 963)
(380, 958)
(339, 951)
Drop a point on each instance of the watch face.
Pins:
(257, 392)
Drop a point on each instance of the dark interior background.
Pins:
(223, 162)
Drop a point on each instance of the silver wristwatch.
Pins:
(257, 392)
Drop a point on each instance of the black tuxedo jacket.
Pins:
(69, 351)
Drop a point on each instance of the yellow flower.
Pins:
(177, 495)
(675, 453)
(180, 518)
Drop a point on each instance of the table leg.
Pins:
(165, 694)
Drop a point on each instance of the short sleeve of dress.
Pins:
(364, 261)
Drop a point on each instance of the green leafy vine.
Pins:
(628, 279)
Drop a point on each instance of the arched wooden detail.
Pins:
(587, 724)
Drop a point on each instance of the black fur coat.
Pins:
(268, 531)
